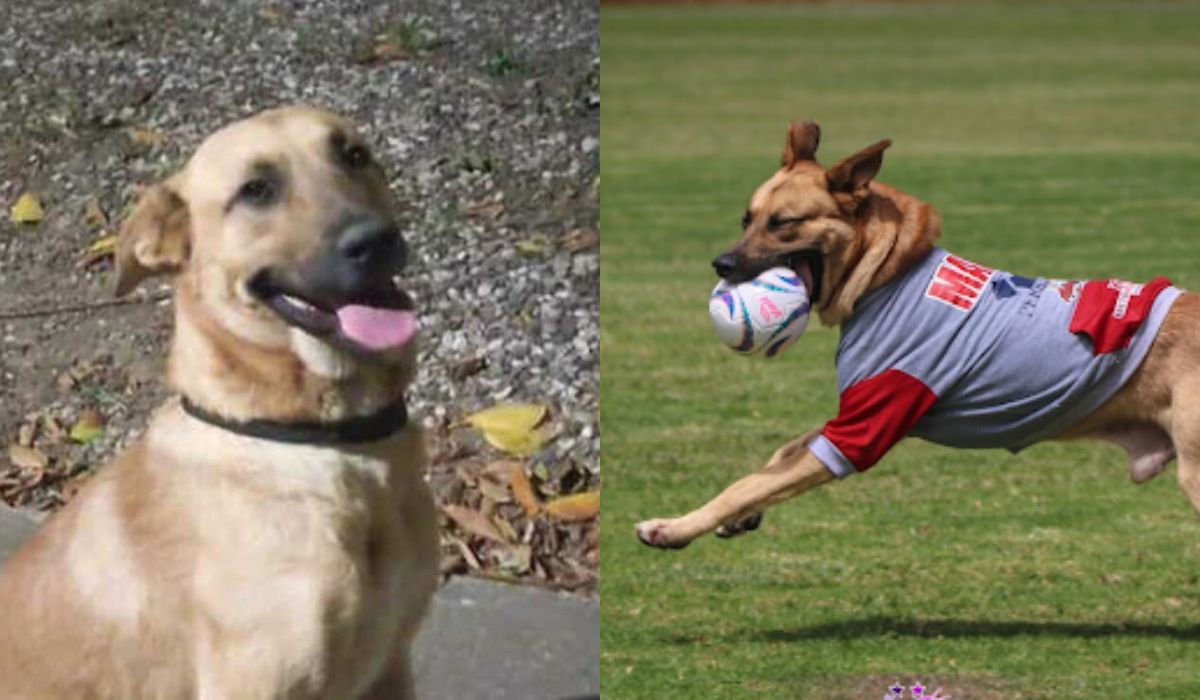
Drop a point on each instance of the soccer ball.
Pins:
(766, 314)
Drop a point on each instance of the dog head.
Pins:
(820, 223)
(281, 234)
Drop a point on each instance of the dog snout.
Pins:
(726, 264)
(373, 244)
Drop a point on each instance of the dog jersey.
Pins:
(967, 356)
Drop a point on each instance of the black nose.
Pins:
(373, 243)
(725, 264)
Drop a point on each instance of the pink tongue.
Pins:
(375, 328)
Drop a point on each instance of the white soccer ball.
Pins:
(765, 314)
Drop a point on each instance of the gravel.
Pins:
(486, 114)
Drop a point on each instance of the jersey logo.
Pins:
(958, 282)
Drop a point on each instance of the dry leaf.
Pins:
(497, 493)
(93, 215)
(474, 522)
(27, 210)
(580, 506)
(27, 457)
(523, 490)
(512, 427)
(486, 210)
(27, 432)
(465, 551)
(579, 239)
(148, 137)
(510, 533)
(88, 427)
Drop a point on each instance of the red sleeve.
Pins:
(875, 414)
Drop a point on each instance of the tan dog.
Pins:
(850, 236)
(270, 536)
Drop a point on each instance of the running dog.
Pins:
(927, 338)
(270, 535)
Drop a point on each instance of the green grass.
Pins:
(1055, 140)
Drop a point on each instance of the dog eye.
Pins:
(746, 219)
(258, 192)
(356, 157)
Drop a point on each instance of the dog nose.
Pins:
(373, 243)
(725, 264)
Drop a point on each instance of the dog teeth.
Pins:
(299, 303)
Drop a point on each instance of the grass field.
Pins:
(1055, 140)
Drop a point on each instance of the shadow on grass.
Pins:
(951, 628)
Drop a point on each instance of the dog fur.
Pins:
(204, 563)
(866, 233)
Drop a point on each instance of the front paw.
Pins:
(657, 533)
(739, 526)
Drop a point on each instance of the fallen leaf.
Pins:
(512, 428)
(99, 249)
(515, 559)
(88, 427)
(579, 239)
(474, 522)
(486, 210)
(93, 215)
(533, 247)
(580, 506)
(467, 554)
(523, 490)
(147, 137)
(27, 457)
(27, 432)
(509, 532)
(493, 491)
(27, 210)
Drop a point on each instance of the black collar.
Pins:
(384, 423)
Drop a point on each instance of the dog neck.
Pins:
(223, 374)
(893, 231)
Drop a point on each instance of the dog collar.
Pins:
(384, 423)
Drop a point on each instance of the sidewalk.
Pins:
(482, 640)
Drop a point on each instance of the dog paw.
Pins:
(657, 533)
(740, 526)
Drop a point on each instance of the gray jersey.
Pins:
(967, 356)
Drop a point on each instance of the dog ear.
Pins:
(852, 175)
(155, 239)
(802, 141)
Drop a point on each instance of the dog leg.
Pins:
(791, 471)
(397, 682)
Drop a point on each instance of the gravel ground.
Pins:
(485, 113)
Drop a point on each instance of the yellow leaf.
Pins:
(103, 245)
(523, 490)
(27, 210)
(89, 426)
(580, 506)
(512, 427)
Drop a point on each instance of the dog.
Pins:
(927, 338)
(270, 535)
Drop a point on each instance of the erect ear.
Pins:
(854, 174)
(802, 141)
(155, 239)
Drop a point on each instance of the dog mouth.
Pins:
(810, 266)
(374, 320)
